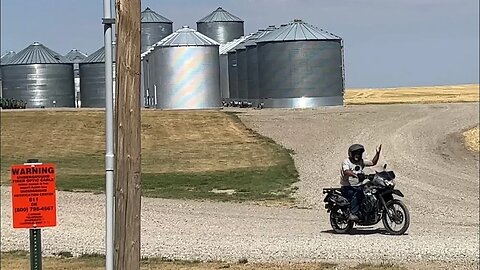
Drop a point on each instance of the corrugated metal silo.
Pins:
(3, 59)
(75, 56)
(300, 66)
(155, 27)
(224, 66)
(241, 59)
(40, 77)
(253, 91)
(147, 70)
(92, 79)
(189, 75)
(6, 56)
(221, 26)
(232, 75)
(152, 73)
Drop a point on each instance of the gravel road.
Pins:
(420, 143)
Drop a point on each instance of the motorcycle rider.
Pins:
(350, 183)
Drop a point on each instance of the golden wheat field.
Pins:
(422, 95)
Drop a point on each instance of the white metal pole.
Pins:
(109, 155)
(155, 87)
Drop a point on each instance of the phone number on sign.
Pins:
(34, 209)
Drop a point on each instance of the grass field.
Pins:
(472, 139)
(189, 154)
(20, 260)
(428, 94)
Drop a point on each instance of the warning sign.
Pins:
(34, 202)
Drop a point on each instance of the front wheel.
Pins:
(396, 217)
(340, 223)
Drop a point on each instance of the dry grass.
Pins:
(431, 94)
(191, 141)
(20, 260)
(472, 139)
(185, 154)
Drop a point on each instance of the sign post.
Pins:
(34, 204)
(35, 249)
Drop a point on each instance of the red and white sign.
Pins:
(34, 203)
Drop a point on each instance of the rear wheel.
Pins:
(340, 222)
(396, 217)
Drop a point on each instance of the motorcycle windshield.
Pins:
(387, 175)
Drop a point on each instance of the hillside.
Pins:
(185, 154)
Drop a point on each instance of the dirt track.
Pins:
(439, 178)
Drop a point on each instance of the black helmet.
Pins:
(355, 148)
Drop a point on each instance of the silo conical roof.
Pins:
(6, 57)
(298, 30)
(226, 47)
(240, 46)
(252, 41)
(186, 36)
(252, 38)
(37, 54)
(99, 55)
(150, 16)
(147, 52)
(76, 55)
(220, 15)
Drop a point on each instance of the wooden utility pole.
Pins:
(128, 140)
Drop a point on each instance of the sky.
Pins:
(388, 43)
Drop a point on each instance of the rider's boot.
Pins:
(353, 217)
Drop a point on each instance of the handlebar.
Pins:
(362, 177)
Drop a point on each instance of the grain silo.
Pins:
(224, 66)
(253, 92)
(232, 75)
(92, 78)
(146, 71)
(3, 59)
(241, 68)
(40, 77)
(76, 56)
(150, 68)
(221, 26)
(7, 56)
(189, 75)
(300, 66)
(154, 28)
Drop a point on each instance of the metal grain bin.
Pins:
(3, 59)
(155, 27)
(224, 66)
(147, 70)
(253, 92)
(92, 79)
(221, 25)
(300, 66)
(75, 56)
(189, 74)
(232, 75)
(6, 57)
(241, 58)
(40, 77)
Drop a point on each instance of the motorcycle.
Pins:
(378, 204)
